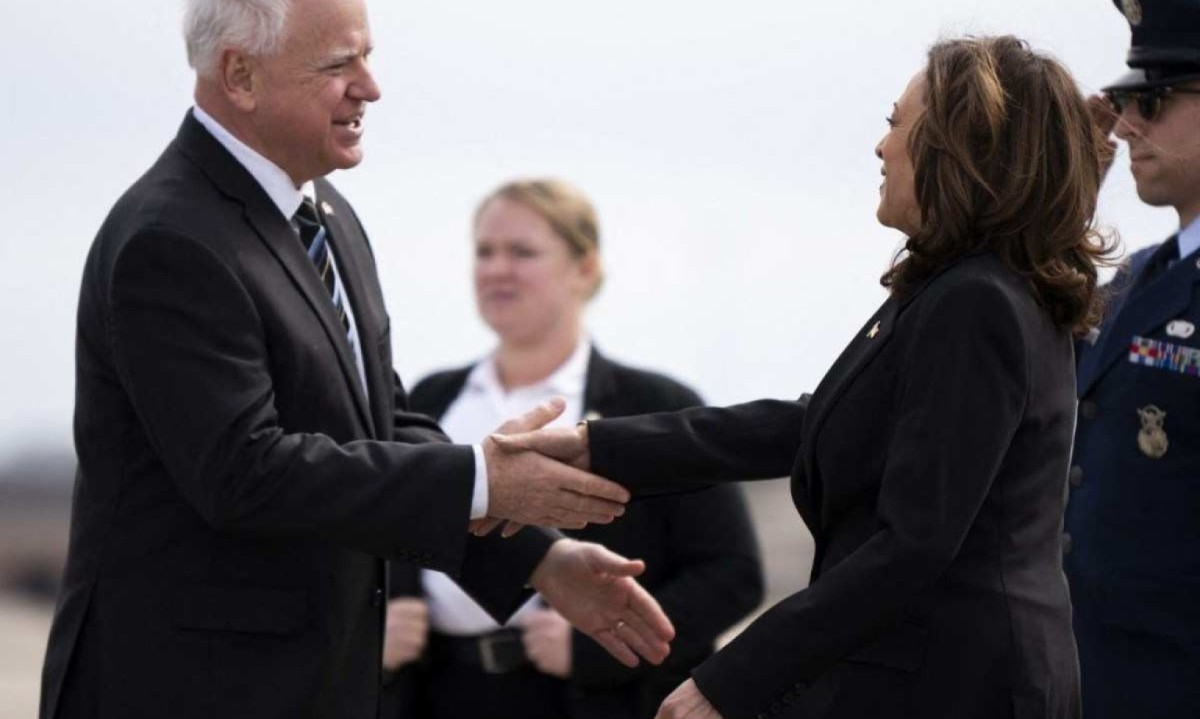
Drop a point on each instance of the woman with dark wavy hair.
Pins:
(931, 461)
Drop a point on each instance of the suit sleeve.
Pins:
(192, 355)
(698, 447)
(963, 384)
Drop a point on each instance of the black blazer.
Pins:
(701, 554)
(236, 486)
(931, 466)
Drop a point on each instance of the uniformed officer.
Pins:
(1132, 539)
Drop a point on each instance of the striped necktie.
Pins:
(315, 239)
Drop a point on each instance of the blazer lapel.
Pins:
(1148, 306)
(277, 234)
(867, 343)
(599, 389)
(349, 248)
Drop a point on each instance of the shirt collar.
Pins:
(1189, 238)
(273, 180)
(569, 379)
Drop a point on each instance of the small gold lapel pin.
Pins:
(873, 331)
(327, 208)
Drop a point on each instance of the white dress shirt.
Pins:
(480, 407)
(287, 197)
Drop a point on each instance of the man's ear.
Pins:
(239, 79)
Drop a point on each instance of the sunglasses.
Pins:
(1148, 102)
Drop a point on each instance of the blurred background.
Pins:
(727, 146)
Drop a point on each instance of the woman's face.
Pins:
(897, 195)
(527, 281)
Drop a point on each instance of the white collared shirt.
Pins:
(1189, 238)
(287, 198)
(480, 407)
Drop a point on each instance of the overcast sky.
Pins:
(727, 146)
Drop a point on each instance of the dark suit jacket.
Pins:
(236, 486)
(701, 555)
(931, 466)
(1133, 521)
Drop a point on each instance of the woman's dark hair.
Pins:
(1007, 160)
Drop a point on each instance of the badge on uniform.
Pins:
(1152, 439)
(327, 208)
(1181, 329)
(1165, 355)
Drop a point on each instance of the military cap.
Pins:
(1165, 44)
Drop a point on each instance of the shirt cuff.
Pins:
(479, 495)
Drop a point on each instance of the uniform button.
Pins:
(377, 598)
(1076, 476)
(1066, 543)
(1088, 409)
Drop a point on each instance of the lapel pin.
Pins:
(1181, 329)
(326, 208)
(873, 331)
(1092, 336)
(1152, 439)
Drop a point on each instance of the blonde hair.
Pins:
(567, 210)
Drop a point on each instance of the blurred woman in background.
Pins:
(537, 265)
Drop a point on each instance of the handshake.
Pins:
(538, 475)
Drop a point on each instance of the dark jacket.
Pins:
(701, 555)
(236, 486)
(930, 465)
(1133, 519)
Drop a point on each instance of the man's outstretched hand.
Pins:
(527, 487)
(595, 590)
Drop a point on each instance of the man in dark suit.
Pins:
(1132, 540)
(245, 451)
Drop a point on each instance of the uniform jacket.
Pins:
(1133, 520)
(702, 562)
(236, 485)
(930, 464)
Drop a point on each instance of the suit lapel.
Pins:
(865, 346)
(862, 349)
(599, 389)
(350, 250)
(1148, 306)
(277, 234)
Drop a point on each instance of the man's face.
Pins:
(312, 94)
(1164, 152)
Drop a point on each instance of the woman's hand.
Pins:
(547, 638)
(686, 702)
(405, 633)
